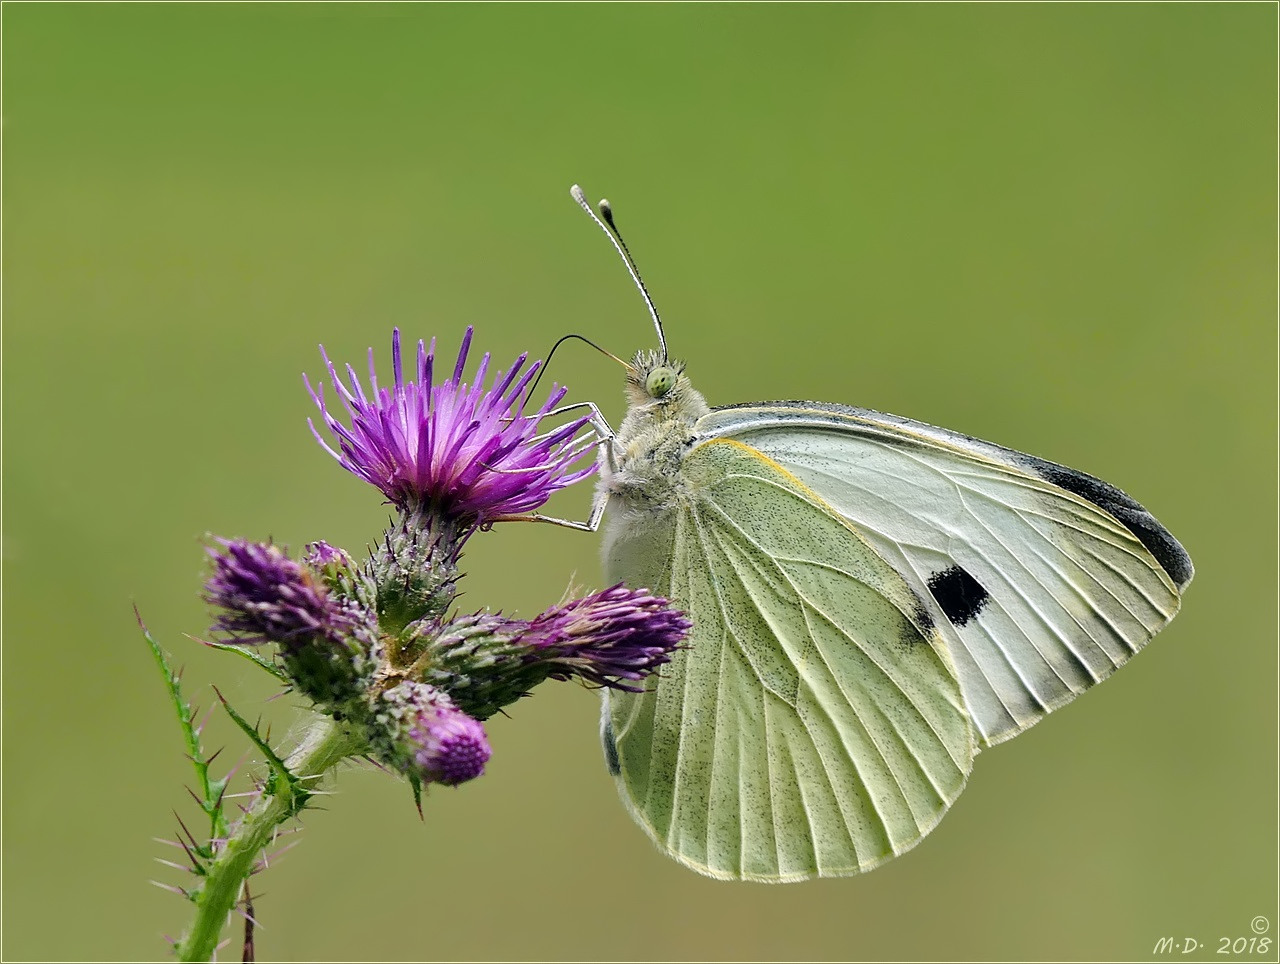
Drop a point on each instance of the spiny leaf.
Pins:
(297, 791)
(259, 661)
(174, 685)
(210, 796)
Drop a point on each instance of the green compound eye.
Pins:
(659, 382)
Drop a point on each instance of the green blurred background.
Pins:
(1050, 226)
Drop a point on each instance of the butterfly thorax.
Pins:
(642, 472)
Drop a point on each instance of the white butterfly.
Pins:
(874, 600)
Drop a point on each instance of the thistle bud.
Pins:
(418, 730)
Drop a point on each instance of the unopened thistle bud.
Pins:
(418, 730)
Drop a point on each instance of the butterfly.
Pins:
(874, 600)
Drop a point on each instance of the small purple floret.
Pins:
(321, 554)
(609, 637)
(267, 597)
(460, 450)
(452, 747)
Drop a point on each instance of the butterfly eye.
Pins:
(659, 382)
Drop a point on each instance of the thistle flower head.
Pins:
(613, 638)
(265, 597)
(462, 450)
(451, 747)
(320, 555)
(420, 731)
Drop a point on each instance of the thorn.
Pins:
(195, 862)
(176, 866)
(277, 854)
(193, 854)
(169, 843)
(216, 754)
(203, 723)
(172, 889)
(247, 913)
(190, 836)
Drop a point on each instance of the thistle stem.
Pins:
(323, 747)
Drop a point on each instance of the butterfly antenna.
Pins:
(605, 220)
(547, 364)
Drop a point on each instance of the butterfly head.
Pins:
(658, 384)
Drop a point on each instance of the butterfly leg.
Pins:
(591, 525)
(596, 419)
(606, 441)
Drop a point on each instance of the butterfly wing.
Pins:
(813, 725)
(1042, 580)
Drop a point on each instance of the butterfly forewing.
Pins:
(1041, 580)
(814, 725)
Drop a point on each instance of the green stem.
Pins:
(323, 747)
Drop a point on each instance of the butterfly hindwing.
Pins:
(1042, 580)
(814, 724)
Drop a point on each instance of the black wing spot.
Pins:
(610, 749)
(958, 593)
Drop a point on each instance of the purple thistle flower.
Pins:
(326, 642)
(452, 747)
(459, 450)
(610, 636)
(419, 730)
(267, 597)
(321, 554)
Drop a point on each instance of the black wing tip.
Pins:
(1126, 510)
